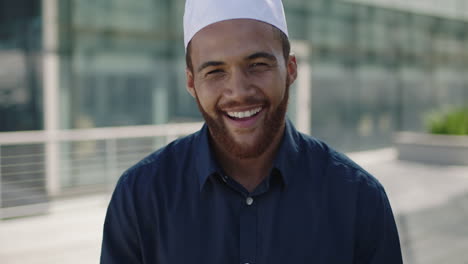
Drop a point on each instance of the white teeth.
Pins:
(244, 114)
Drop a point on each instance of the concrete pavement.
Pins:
(430, 203)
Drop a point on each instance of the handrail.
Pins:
(28, 137)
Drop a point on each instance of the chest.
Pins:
(275, 227)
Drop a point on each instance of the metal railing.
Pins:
(38, 165)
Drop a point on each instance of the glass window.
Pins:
(20, 64)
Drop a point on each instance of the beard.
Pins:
(271, 127)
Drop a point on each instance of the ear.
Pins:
(190, 82)
(292, 68)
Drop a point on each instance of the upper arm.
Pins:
(120, 243)
(378, 241)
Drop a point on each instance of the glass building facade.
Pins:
(375, 69)
(20, 73)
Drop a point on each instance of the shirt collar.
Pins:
(288, 152)
(206, 164)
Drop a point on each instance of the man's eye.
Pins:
(258, 64)
(214, 71)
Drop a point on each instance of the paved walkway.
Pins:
(70, 234)
(430, 203)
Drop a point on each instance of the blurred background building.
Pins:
(75, 70)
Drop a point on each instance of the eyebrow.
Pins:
(264, 55)
(210, 64)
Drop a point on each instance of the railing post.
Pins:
(51, 98)
(52, 164)
(111, 162)
(303, 103)
(1, 204)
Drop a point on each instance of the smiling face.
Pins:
(240, 80)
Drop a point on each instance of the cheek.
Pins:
(276, 91)
(206, 99)
(272, 83)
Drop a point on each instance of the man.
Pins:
(246, 188)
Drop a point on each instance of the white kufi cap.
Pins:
(201, 13)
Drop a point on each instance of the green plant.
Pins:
(449, 122)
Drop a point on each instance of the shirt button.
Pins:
(249, 201)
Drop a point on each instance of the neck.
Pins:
(249, 172)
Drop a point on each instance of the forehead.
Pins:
(234, 38)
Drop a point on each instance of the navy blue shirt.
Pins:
(316, 206)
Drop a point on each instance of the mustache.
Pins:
(245, 101)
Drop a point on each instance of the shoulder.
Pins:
(345, 184)
(164, 161)
(338, 168)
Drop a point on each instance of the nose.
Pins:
(239, 86)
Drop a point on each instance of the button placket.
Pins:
(248, 231)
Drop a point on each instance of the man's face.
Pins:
(241, 81)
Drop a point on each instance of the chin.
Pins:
(247, 144)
